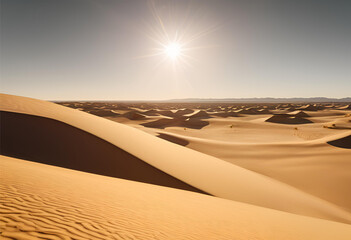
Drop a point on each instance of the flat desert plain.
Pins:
(133, 170)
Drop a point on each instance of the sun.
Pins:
(173, 50)
(175, 41)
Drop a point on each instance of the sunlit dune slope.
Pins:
(204, 172)
(45, 202)
(319, 167)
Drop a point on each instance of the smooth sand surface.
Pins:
(45, 202)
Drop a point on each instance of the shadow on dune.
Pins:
(333, 126)
(173, 139)
(287, 119)
(344, 142)
(133, 115)
(103, 113)
(176, 122)
(341, 128)
(151, 112)
(55, 143)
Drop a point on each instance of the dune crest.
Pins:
(55, 143)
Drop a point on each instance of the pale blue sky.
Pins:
(95, 49)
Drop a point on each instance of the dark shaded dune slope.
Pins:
(344, 142)
(55, 143)
(287, 119)
(176, 122)
(173, 139)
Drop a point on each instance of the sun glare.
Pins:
(174, 39)
(173, 50)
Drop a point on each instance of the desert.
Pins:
(175, 120)
(284, 171)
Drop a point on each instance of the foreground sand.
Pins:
(300, 169)
(45, 202)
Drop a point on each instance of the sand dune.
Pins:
(198, 114)
(151, 112)
(133, 115)
(103, 112)
(246, 111)
(299, 156)
(309, 108)
(173, 139)
(52, 142)
(303, 165)
(182, 112)
(287, 176)
(341, 123)
(347, 107)
(299, 114)
(45, 202)
(176, 122)
(225, 114)
(287, 119)
(167, 113)
(263, 111)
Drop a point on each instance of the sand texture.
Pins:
(45, 202)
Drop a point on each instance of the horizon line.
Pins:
(210, 99)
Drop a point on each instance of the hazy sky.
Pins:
(103, 49)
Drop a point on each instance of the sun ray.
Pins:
(173, 40)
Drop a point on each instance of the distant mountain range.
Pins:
(265, 100)
(230, 100)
